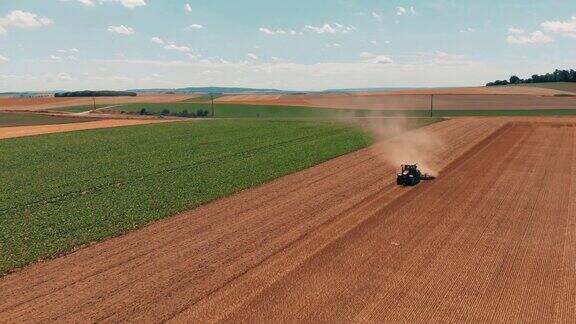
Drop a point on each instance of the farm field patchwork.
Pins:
(238, 111)
(170, 268)
(31, 130)
(64, 190)
(561, 86)
(49, 103)
(16, 119)
(491, 238)
(284, 251)
(444, 99)
(222, 110)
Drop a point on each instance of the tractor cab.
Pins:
(409, 175)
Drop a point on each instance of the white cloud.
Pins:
(252, 56)
(193, 56)
(330, 28)
(174, 47)
(401, 11)
(71, 50)
(188, 7)
(519, 37)
(335, 45)
(373, 42)
(59, 59)
(428, 69)
(171, 46)
(269, 31)
(443, 58)
(62, 76)
(515, 31)
(375, 58)
(376, 15)
(88, 3)
(194, 27)
(157, 40)
(433, 69)
(468, 30)
(562, 28)
(23, 19)
(122, 30)
(129, 3)
(126, 3)
(3, 59)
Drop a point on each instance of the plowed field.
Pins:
(36, 104)
(491, 239)
(20, 131)
(491, 98)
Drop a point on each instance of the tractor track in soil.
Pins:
(340, 241)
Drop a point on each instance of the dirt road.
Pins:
(20, 131)
(491, 238)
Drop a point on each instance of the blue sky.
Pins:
(297, 45)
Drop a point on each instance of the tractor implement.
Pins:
(411, 176)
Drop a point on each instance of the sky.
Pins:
(293, 45)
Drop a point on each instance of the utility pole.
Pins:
(212, 102)
(431, 104)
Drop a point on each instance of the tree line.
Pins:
(556, 76)
(101, 93)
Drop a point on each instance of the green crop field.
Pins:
(263, 111)
(271, 111)
(78, 109)
(16, 119)
(241, 111)
(63, 190)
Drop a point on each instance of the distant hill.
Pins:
(369, 89)
(204, 90)
(27, 94)
(100, 93)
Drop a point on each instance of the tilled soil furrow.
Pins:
(338, 285)
(487, 241)
(468, 203)
(186, 263)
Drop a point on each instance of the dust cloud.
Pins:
(399, 142)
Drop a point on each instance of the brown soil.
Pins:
(21, 131)
(507, 90)
(35, 104)
(490, 239)
(447, 99)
